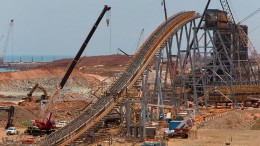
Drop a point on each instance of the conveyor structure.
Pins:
(135, 68)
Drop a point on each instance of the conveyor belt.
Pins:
(127, 78)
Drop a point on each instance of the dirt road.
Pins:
(210, 138)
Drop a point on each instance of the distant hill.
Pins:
(107, 60)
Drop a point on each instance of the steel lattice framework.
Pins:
(179, 65)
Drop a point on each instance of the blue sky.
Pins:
(58, 27)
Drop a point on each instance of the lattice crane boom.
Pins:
(246, 42)
(10, 30)
(226, 7)
(242, 35)
(140, 38)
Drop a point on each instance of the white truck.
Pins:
(11, 131)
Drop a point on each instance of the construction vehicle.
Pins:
(37, 86)
(34, 131)
(182, 129)
(46, 126)
(41, 127)
(11, 131)
(256, 105)
(179, 127)
(181, 124)
(75, 60)
(255, 102)
(61, 124)
(10, 110)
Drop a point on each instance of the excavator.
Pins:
(10, 110)
(47, 125)
(37, 86)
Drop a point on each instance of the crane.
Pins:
(84, 45)
(10, 30)
(140, 38)
(245, 39)
(50, 103)
(231, 22)
(137, 45)
(226, 8)
(242, 35)
(124, 52)
(246, 42)
(47, 125)
(37, 86)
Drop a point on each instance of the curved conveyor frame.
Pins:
(128, 77)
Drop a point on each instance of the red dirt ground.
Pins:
(86, 71)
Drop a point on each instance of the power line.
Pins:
(255, 28)
(249, 16)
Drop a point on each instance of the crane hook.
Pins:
(108, 15)
(107, 21)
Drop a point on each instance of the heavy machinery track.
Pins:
(137, 65)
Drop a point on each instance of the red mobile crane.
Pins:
(41, 127)
(47, 125)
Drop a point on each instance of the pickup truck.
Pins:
(61, 124)
(11, 131)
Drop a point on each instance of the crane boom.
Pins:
(246, 42)
(124, 52)
(11, 24)
(49, 106)
(140, 38)
(84, 45)
(45, 95)
(231, 22)
(242, 35)
(165, 10)
(226, 8)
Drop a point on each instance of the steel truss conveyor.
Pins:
(126, 79)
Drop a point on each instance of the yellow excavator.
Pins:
(37, 86)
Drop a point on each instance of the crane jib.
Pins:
(81, 50)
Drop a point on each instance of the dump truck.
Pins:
(179, 127)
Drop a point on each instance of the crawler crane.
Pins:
(43, 125)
